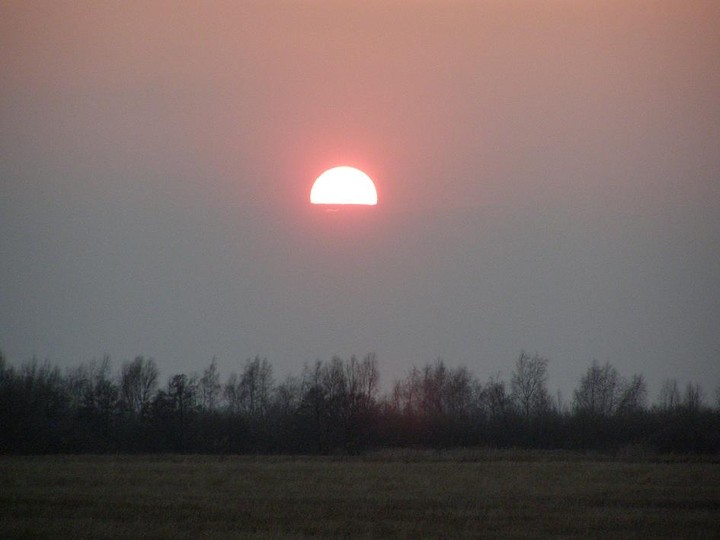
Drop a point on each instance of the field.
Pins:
(391, 494)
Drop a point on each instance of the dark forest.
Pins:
(336, 407)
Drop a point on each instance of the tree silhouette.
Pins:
(603, 392)
(209, 387)
(669, 396)
(138, 381)
(528, 385)
(335, 406)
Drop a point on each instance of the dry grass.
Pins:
(384, 495)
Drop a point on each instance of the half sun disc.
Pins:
(343, 185)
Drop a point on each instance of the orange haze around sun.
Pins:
(343, 185)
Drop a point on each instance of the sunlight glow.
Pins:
(343, 185)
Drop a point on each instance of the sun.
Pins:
(343, 185)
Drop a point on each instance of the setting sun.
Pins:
(343, 185)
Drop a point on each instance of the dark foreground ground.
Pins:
(392, 494)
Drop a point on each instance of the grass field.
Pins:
(408, 495)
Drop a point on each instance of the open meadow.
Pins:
(390, 494)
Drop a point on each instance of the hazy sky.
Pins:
(548, 175)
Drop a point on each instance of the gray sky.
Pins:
(548, 176)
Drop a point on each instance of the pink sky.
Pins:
(548, 174)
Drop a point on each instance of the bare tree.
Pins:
(437, 391)
(138, 380)
(79, 385)
(599, 390)
(100, 393)
(323, 407)
(495, 398)
(362, 379)
(669, 397)
(407, 393)
(633, 394)
(256, 383)
(694, 397)
(461, 391)
(287, 396)
(334, 382)
(434, 381)
(604, 392)
(231, 393)
(182, 390)
(181, 398)
(251, 392)
(209, 387)
(528, 384)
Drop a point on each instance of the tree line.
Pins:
(335, 406)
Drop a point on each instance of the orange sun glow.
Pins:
(343, 185)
